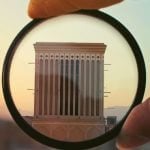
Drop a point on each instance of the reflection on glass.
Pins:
(68, 78)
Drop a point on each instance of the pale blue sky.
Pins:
(134, 14)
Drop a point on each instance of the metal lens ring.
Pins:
(73, 145)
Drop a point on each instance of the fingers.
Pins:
(48, 8)
(136, 130)
(93, 4)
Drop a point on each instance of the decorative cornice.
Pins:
(70, 47)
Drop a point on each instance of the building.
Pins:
(69, 90)
(111, 122)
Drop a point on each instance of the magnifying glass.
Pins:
(70, 81)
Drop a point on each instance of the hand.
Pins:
(48, 8)
(136, 130)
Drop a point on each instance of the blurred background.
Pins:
(132, 13)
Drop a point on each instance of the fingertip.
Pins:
(41, 9)
(128, 141)
(136, 129)
(34, 11)
(49, 8)
(31, 13)
(94, 4)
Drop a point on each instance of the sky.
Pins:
(132, 13)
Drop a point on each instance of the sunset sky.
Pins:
(121, 79)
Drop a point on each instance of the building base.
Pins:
(73, 129)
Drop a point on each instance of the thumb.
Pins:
(136, 130)
(48, 8)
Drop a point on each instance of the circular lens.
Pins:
(73, 78)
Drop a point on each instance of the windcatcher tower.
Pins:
(69, 90)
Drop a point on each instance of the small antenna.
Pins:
(30, 89)
(31, 63)
(107, 64)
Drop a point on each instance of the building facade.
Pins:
(69, 90)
